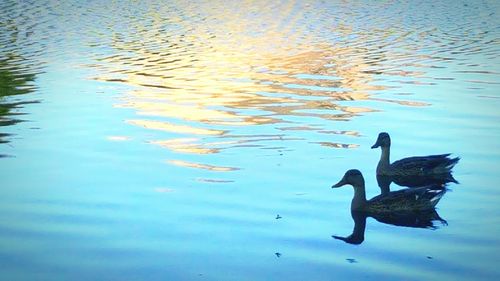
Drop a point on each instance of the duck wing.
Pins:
(415, 199)
(425, 164)
(418, 180)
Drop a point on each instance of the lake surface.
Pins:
(199, 140)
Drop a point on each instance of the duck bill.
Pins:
(340, 183)
(377, 144)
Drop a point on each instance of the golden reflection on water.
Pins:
(185, 145)
(169, 127)
(337, 145)
(202, 166)
(200, 78)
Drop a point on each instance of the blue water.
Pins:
(199, 140)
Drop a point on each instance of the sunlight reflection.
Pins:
(203, 83)
(165, 126)
(185, 146)
(201, 166)
(118, 138)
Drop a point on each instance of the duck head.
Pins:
(352, 177)
(383, 140)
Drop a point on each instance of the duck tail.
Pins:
(451, 163)
(435, 195)
(444, 164)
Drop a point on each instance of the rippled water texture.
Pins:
(198, 140)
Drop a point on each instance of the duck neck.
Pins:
(359, 200)
(384, 163)
(358, 233)
(384, 182)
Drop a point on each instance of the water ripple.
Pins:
(231, 93)
(220, 68)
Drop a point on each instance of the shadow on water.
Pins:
(422, 219)
(19, 65)
(13, 82)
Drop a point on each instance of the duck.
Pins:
(418, 199)
(423, 166)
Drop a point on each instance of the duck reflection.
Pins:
(423, 219)
(407, 207)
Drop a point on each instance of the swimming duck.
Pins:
(411, 166)
(406, 200)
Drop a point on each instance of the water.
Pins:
(199, 141)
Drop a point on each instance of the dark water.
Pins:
(199, 140)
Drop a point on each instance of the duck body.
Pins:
(412, 166)
(401, 201)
